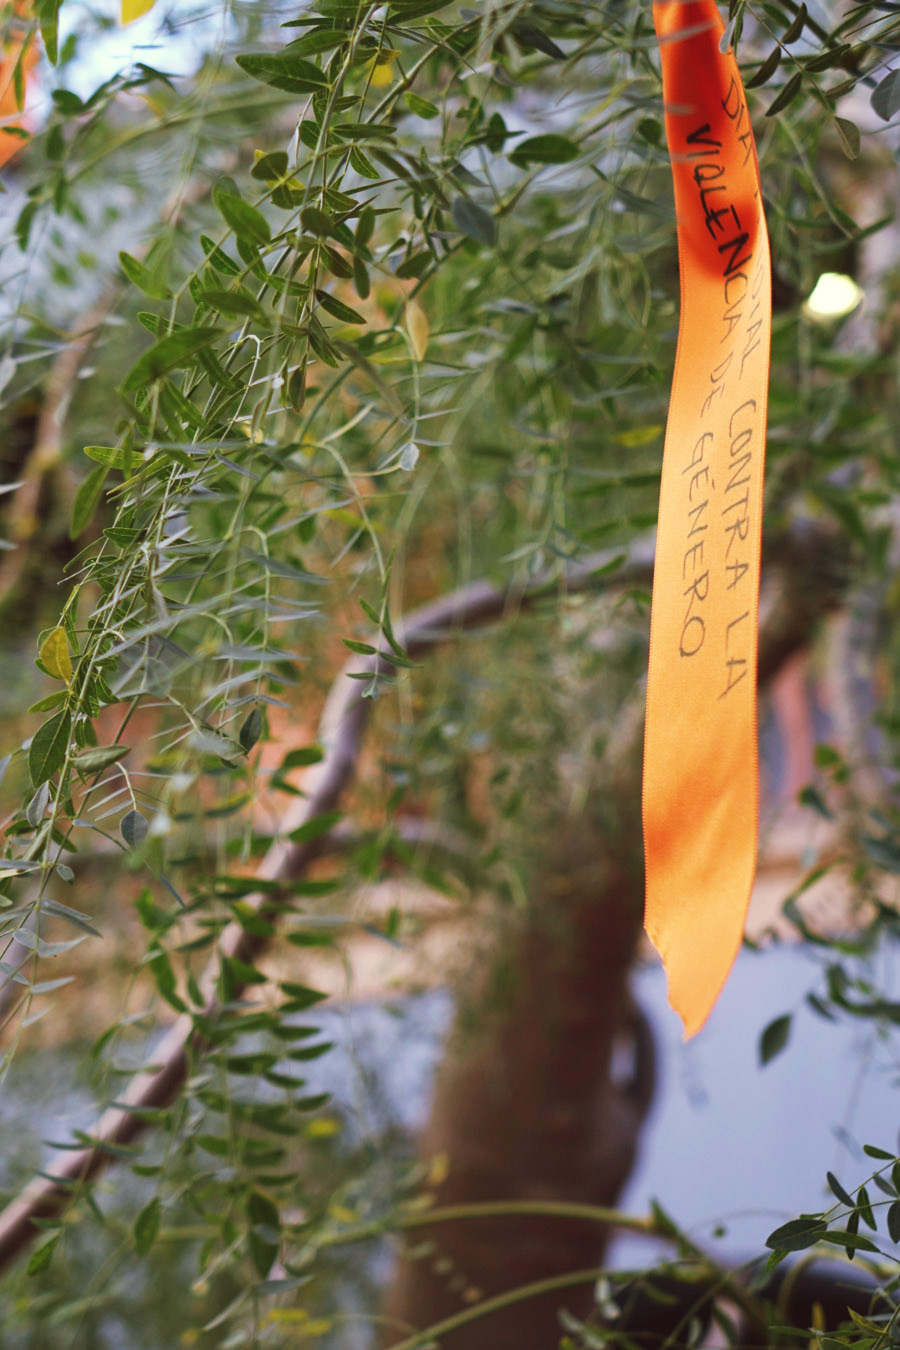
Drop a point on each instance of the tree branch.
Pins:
(341, 728)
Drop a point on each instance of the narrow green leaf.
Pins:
(218, 259)
(315, 828)
(97, 757)
(775, 1038)
(146, 1226)
(134, 828)
(872, 1152)
(766, 70)
(826, 60)
(547, 149)
(864, 1206)
(886, 96)
(473, 220)
(421, 106)
(797, 1234)
(251, 730)
(57, 910)
(34, 811)
(848, 135)
(86, 499)
(142, 277)
(236, 303)
(893, 1221)
(115, 457)
(361, 164)
(854, 1241)
(337, 308)
(283, 70)
(41, 1256)
(796, 27)
(531, 38)
(244, 219)
(839, 1191)
(48, 17)
(169, 353)
(48, 747)
(790, 89)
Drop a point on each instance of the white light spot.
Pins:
(834, 296)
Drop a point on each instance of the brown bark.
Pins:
(530, 1106)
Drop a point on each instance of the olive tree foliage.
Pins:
(393, 307)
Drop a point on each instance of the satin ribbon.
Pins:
(701, 778)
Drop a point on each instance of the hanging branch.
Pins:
(787, 625)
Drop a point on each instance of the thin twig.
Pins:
(341, 729)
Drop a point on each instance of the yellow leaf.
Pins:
(416, 321)
(133, 9)
(380, 73)
(54, 654)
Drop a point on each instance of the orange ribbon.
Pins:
(701, 779)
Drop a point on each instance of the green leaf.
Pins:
(886, 96)
(766, 70)
(48, 747)
(852, 1241)
(41, 1256)
(863, 1204)
(791, 88)
(244, 219)
(337, 308)
(532, 38)
(51, 701)
(316, 221)
(115, 457)
(301, 996)
(361, 164)
(797, 1234)
(146, 1226)
(143, 278)
(219, 259)
(34, 811)
(282, 70)
(86, 499)
(421, 107)
(838, 1190)
(251, 730)
(893, 1221)
(848, 135)
(796, 27)
(272, 165)
(170, 352)
(236, 303)
(548, 149)
(314, 828)
(54, 655)
(872, 1152)
(299, 759)
(472, 220)
(98, 757)
(134, 828)
(57, 910)
(826, 60)
(774, 1038)
(48, 17)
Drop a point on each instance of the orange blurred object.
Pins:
(13, 43)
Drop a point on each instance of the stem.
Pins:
(497, 1304)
